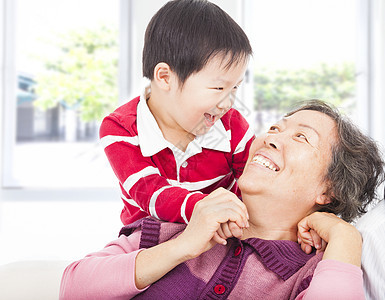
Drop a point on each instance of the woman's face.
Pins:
(288, 164)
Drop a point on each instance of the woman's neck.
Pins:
(269, 221)
(269, 232)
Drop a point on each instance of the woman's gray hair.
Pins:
(356, 169)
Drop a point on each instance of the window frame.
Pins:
(9, 93)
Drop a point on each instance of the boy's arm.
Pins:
(141, 179)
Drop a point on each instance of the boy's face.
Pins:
(205, 96)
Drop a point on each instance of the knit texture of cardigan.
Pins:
(243, 269)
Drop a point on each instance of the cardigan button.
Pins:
(184, 164)
(237, 251)
(219, 289)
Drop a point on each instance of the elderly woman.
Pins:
(311, 163)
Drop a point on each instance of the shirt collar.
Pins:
(151, 139)
(282, 257)
(150, 136)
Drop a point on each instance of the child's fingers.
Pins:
(218, 239)
(317, 241)
(230, 213)
(305, 240)
(307, 249)
(304, 235)
(323, 246)
(236, 231)
(221, 211)
(226, 195)
(221, 233)
(226, 230)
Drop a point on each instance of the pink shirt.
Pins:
(113, 276)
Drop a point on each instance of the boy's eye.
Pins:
(219, 88)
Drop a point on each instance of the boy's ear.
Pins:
(163, 75)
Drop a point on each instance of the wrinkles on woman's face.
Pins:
(292, 158)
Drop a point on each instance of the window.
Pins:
(303, 49)
(298, 47)
(64, 79)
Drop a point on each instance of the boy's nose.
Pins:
(227, 102)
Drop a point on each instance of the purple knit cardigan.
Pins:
(243, 269)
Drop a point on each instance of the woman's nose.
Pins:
(272, 141)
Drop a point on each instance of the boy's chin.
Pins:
(201, 131)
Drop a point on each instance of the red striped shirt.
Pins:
(158, 179)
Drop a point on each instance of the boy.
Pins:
(181, 141)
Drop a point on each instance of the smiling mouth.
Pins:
(263, 161)
(210, 119)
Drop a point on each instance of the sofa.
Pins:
(32, 280)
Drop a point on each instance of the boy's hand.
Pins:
(219, 207)
(228, 230)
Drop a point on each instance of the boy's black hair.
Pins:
(185, 34)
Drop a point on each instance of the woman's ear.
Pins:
(323, 199)
(163, 76)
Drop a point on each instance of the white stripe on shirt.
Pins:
(131, 202)
(183, 207)
(242, 144)
(231, 185)
(153, 199)
(110, 139)
(194, 186)
(134, 178)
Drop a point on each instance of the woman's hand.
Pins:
(215, 218)
(343, 240)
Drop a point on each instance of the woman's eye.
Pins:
(273, 129)
(219, 88)
(301, 136)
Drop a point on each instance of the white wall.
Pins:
(132, 38)
(377, 64)
(133, 82)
